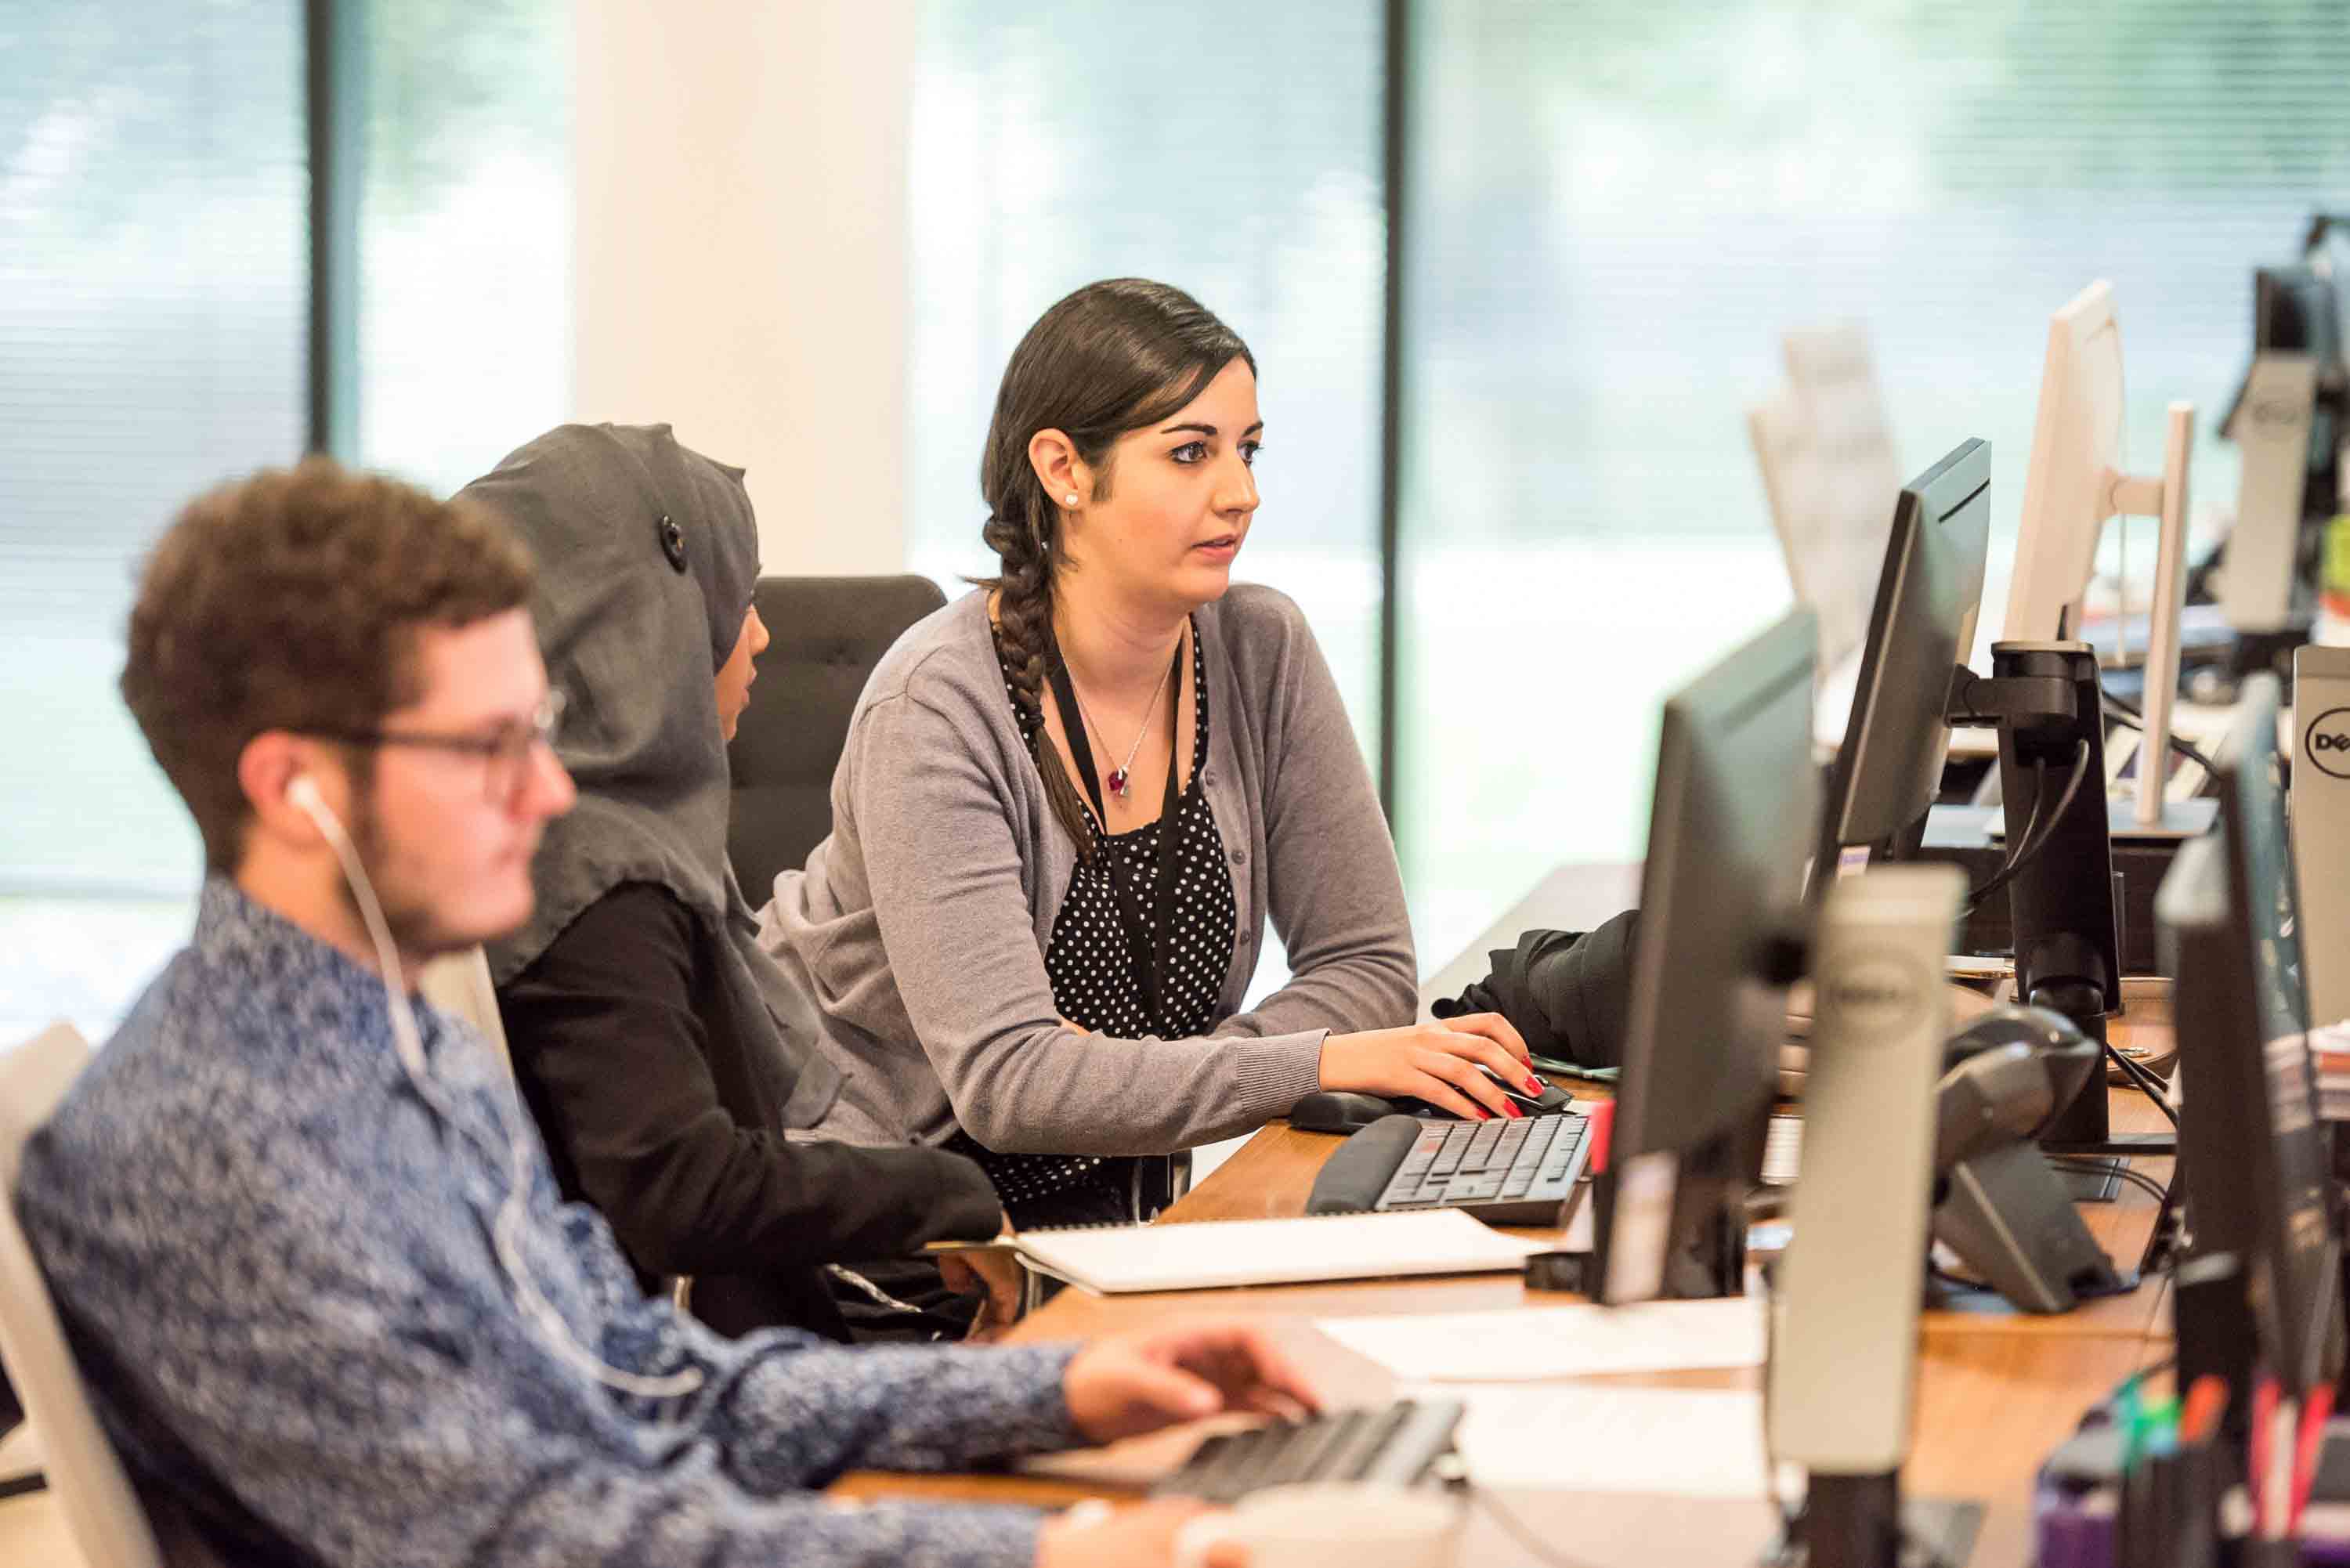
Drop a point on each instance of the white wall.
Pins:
(739, 246)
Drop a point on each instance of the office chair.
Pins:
(459, 985)
(102, 1513)
(828, 633)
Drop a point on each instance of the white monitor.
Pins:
(1831, 475)
(2077, 449)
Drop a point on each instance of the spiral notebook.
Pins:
(1117, 1259)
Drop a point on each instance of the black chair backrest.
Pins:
(828, 633)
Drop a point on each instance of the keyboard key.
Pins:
(1480, 1150)
(1472, 1188)
(1449, 1160)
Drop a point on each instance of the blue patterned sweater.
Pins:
(274, 1260)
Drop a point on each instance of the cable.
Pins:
(2124, 714)
(2146, 1083)
(2016, 849)
(408, 1044)
(2089, 1167)
(2034, 841)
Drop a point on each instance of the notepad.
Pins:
(1601, 1437)
(1558, 1341)
(1118, 1258)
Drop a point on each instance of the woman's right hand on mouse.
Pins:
(1438, 1062)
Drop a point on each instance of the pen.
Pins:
(2318, 1407)
(2207, 1401)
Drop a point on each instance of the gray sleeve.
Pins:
(1334, 892)
(945, 874)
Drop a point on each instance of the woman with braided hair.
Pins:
(1069, 800)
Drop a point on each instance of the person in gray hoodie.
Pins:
(1070, 800)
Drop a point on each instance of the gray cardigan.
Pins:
(919, 925)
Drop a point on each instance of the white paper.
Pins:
(1558, 1341)
(1275, 1251)
(1589, 1436)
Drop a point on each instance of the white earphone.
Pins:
(408, 1044)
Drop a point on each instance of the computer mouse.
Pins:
(1345, 1111)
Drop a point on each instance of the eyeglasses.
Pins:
(506, 752)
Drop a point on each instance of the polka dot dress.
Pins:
(1093, 973)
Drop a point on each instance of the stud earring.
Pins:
(1070, 499)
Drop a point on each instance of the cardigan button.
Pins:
(1239, 856)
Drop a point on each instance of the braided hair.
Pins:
(1114, 356)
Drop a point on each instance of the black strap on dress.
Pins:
(1148, 951)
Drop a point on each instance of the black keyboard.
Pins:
(1517, 1171)
(1398, 1444)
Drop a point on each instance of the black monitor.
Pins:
(2298, 309)
(1889, 768)
(2252, 1152)
(1720, 894)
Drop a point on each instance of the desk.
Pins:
(1996, 1389)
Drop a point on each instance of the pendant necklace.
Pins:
(1120, 777)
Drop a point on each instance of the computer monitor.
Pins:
(1830, 474)
(1720, 894)
(2076, 446)
(2286, 424)
(2252, 1152)
(1889, 768)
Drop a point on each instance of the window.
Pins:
(1244, 165)
(463, 328)
(153, 298)
(1615, 212)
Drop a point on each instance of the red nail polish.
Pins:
(1512, 1107)
(1534, 1085)
(1482, 1113)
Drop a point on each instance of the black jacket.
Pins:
(1569, 994)
(628, 1056)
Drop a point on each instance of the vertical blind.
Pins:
(1620, 208)
(153, 247)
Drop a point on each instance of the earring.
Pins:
(1070, 499)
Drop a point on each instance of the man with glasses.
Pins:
(305, 1241)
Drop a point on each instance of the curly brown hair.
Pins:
(291, 600)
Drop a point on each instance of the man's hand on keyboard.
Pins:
(1436, 1062)
(1124, 1384)
(1137, 1535)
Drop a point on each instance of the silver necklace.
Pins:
(1121, 778)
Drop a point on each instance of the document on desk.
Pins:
(1602, 1437)
(1532, 1343)
(1113, 1259)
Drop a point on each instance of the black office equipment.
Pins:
(2063, 896)
(1504, 1172)
(1998, 1204)
(2252, 1158)
(1889, 767)
(1721, 894)
(1397, 1445)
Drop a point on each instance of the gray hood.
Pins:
(648, 555)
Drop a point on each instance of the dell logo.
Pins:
(1873, 996)
(2326, 743)
(2274, 417)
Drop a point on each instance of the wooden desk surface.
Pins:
(1997, 1389)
